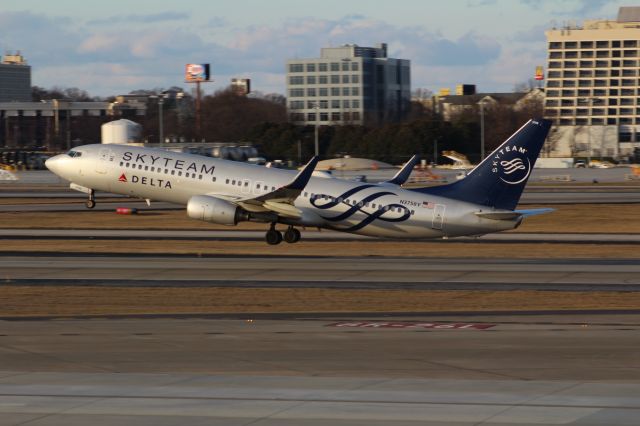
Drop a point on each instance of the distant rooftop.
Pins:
(629, 14)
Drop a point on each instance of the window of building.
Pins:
(346, 91)
(355, 103)
(553, 93)
(346, 104)
(586, 45)
(298, 79)
(324, 116)
(296, 104)
(614, 82)
(626, 101)
(354, 66)
(630, 43)
(311, 79)
(335, 79)
(584, 92)
(628, 73)
(599, 92)
(602, 44)
(615, 64)
(335, 66)
(630, 53)
(311, 67)
(602, 54)
(296, 68)
(612, 121)
(555, 64)
(335, 103)
(600, 83)
(311, 92)
(584, 83)
(628, 82)
(615, 53)
(323, 91)
(568, 83)
(615, 43)
(571, 54)
(555, 45)
(555, 55)
(311, 104)
(570, 64)
(570, 44)
(627, 92)
(323, 79)
(586, 54)
(586, 64)
(324, 104)
(355, 78)
(567, 102)
(585, 73)
(311, 116)
(613, 92)
(554, 74)
(335, 91)
(568, 93)
(569, 74)
(345, 78)
(296, 93)
(355, 116)
(322, 67)
(335, 116)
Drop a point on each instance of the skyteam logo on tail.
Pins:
(512, 165)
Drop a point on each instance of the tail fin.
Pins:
(498, 181)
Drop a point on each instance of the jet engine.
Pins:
(216, 210)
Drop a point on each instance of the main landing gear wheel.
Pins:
(273, 236)
(291, 235)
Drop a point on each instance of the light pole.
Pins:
(160, 119)
(317, 109)
(481, 129)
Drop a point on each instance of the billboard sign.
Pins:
(196, 72)
(539, 73)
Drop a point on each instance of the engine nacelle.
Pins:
(215, 210)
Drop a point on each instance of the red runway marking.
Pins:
(404, 324)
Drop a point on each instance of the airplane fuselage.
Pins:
(382, 210)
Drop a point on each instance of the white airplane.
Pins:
(228, 192)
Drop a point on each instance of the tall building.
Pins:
(348, 85)
(15, 79)
(593, 86)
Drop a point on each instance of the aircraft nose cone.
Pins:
(55, 163)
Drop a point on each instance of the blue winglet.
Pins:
(403, 175)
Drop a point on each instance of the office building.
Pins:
(348, 85)
(15, 79)
(592, 88)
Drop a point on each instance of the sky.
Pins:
(116, 46)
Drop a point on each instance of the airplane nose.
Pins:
(55, 163)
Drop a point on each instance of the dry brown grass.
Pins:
(66, 301)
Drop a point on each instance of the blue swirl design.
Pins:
(377, 214)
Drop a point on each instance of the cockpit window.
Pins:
(74, 154)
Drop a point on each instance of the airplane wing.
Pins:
(404, 173)
(281, 200)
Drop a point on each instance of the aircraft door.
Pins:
(104, 155)
(438, 216)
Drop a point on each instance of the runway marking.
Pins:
(405, 324)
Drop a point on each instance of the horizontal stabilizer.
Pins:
(503, 215)
(533, 212)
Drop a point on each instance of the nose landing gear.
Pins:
(91, 202)
(274, 237)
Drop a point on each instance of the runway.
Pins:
(323, 272)
(317, 372)
(238, 235)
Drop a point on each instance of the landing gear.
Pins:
(91, 202)
(273, 236)
(291, 235)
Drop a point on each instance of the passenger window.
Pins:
(179, 173)
(166, 171)
(200, 177)
(227, 181)
(139, 166)
(213, 179)
(173, 172)
(128, 165)
(153, 169)
(146, 168)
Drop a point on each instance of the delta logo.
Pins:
(123, 178)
